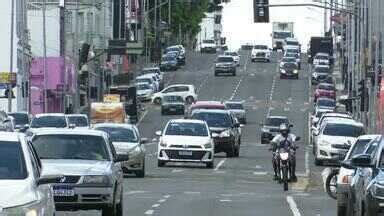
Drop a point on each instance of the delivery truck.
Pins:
(104, 112)
(320, 45)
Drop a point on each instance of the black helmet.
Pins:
(284, 129)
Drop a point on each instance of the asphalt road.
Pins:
(236, 186)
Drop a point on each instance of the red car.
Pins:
(206, 105)
(325, 90)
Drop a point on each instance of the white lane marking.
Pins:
(161, 200)
(219, 164)
(260, 173)
(225, 200)
(134, 192)
(286, 109)
(236, 88)
(220, 172)
(155, 205)
(177, 170)
(192, 192)
(271, 96)
(293, 206)
(201, 85)
(167, 196)
(149, 212)
(258, 167)
(142, 117)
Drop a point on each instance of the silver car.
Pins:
(126, 140)
(93, 178)
(24, 191)
(78, 120)
(237, 108)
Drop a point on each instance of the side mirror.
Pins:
(49, 179)
(361, 160)
(143, 140)
(215, 135)
(121, 158)
(297, 138)
(158, 133)
(347, 165)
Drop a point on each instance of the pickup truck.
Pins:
(208, 46)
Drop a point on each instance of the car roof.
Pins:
(325, 98)
(59, 131)
(10, 136)
(291, 39)
(277, 117)
(224, 56)
(114, 125)
(222, 111)
(149, 75)
(151, 68)
(186, 121)
(369, 136)
(49, 114)
(333, 114)
(344, 121)
(76, 115)
(142, 83)
(177, 85)
(325, 84)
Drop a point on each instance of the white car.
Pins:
(208, 46)
(235, 55)
(186, 91)
(151, 79)
(334, 138)
(78, 120)
(321, 59)
(150, 70)
(24, 191)
(144, 91)
(261, 53)
(185, 140)
(292, 43)
(47, 121)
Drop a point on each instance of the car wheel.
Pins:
(141, 173)
(160, 163)
(231, 152)
(209, 165)
(110, 210)
(189, 99)
(234, 73)
(157, 101)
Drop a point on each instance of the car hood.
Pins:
(124, 146)
(16, 193)
(146, 91)
(218, 129)
(172, 103)
(339, 139)
(185, 140)
(75, 167)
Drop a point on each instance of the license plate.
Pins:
(63, 191)
(185, 153)
(172, 109)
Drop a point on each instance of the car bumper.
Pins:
(225, 69)
(330, 154)
(135, 162)
(256, 58)
(223, 144)
(289, 75)
(86, 198)
(208, 49)
(173, 109)
(174, 155)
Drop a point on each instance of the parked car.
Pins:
(144, 91)
(206, 105)
(78, 120)
(150, 79)
(172, 104)
(325, 103)
(180, 55)
(321, 59)
(208, 46)
(270, 127)
(237, 108)
(321, 74)
(235, 55)
(225, 64)
(288, 68)
(7, 123)
(126, 140)
(93, 177)
(150, 70)
(325, 90)
(25, 190)
(367, 187)
(185, 140)
(169, 63)
(365, 144)
(47, 120)
(261, 53)
(225, 130)
(184, 90)
(21, 120)
(335, 138)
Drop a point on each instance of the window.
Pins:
(186, 129)
(182, 89)
(119, 134)
(170, 89)
(12, 161)
(49, 121)
(359, 147)
(343, 130)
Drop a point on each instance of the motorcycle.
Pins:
(284, 166)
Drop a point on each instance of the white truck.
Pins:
(281, 31)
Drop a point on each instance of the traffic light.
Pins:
(361, 88)
(364, 96)
(83, 54)
(261, 11)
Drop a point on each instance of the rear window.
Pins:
(326, 87)
(343, 130)
(326, 103)
(288, 60)
(294, 43)
(78, 121)
(12, 162)
(225, 59)
(49, 121)
(322, 57)
(322, 70)
(209, 41)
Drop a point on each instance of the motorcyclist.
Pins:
(284, 140)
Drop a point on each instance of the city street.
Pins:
(236, 186)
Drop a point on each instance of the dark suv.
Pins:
(270, 128)
(225, 130)
(225, 64)
(367, 185)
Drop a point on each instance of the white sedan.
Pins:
(185, 140)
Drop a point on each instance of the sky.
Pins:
(239, 28)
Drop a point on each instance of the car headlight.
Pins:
(265, 130)
(96, 179)
(208, 145)
(282, 71)
(314, 75)
(324, 143)
(31, 212)
(295, 71)
(225, 133)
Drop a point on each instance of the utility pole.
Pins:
(10, 93)
(62, 52)
(325, 17)
(76, 58)
(45, 58)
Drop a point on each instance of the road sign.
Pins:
(261, 11)
(135, 48)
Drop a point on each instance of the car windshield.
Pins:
(143, 86)
(275, 122)
(49, 121)
(291, 55)
(281, 35)
(20, 118)
(343, 130)
(294, 43)
(186, 129)
(230, 54)
(261, 47)
(234, 106)
(326, 87)
(168, 58)
(214, 119)
(326, 103)
(359, 147)
(173, 98)
(289, 65)
(68, 146)
(292, 51)
(143, 80)
(322, 70)
(225, 59)
(172, 49)
(79, 121)
(12, 162)
(119, 134)
(322, 57)
(209, 41)
(291, 60)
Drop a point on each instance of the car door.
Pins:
(169, 90)
(182, 91)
